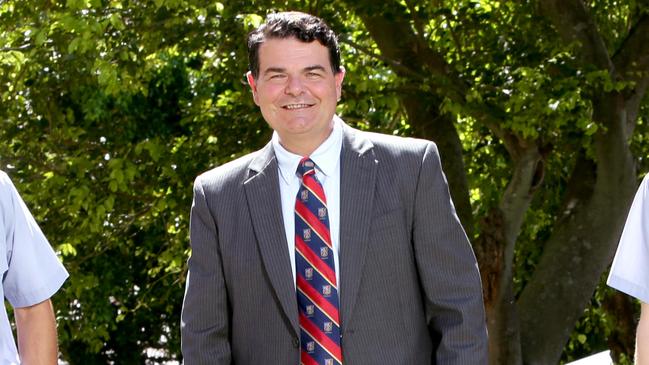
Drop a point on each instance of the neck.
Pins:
(303, 146)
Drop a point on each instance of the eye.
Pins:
(276, 77)
(312, 75)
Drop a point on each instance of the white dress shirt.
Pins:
(327, 160)
(630, 270)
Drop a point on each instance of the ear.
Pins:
(253, 86)
(339, 82)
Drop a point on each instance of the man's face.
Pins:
(296, 91)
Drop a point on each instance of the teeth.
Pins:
(296, 106)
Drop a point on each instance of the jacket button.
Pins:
(296, 342)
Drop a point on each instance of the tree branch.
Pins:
(634, 103)
(419, 26)
(397, 65)
(575, 24)
(456, 39)
(391, 29)
(19, 48)
(632, 62)
(633, 54)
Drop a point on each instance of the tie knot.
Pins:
(306, 167)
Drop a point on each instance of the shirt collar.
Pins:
(326, 156)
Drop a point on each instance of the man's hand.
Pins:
(37, 342)
(642, 338)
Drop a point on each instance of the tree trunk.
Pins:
(411, 58)
(425, 118)
(582, 244)
(495, 251)
(622, 339)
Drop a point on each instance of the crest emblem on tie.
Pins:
(310, 346)
(324, 252)
(322, 213)
(326, 290)
(308, 273)
(304, 195)
(306, 234)
(310, 309)
(328, 327)
(329, 362)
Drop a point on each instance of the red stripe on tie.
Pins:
(313, 221)
(312, 184)
(329, 309)
(306, 359)
(315, 261)
(322, 339)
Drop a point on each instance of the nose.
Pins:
(294, 86)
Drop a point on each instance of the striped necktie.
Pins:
(317, 290)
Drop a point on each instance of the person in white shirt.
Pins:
(630, 270)
(31, 273)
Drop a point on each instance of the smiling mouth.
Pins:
(297, 106)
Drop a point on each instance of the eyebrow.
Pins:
(274, 69)
(314, 68)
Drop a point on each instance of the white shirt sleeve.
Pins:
(31, 270)
(630, 270)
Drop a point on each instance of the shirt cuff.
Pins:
(628, 287)
(53, 283)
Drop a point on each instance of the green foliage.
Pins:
(111, 111)
(371, 90)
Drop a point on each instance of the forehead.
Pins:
(291, 53)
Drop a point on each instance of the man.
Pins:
(31, 274)
(630, 270)
(359, 258)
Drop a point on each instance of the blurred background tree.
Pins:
(110, 108)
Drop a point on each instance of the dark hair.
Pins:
(304, 27)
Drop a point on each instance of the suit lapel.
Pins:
(357, 183)
(264, 204)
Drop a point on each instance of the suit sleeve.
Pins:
(448, 270)
(205, 327)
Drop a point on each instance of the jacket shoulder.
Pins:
(226, 176)
(399, 148)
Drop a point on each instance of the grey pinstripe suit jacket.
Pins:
(409, 283)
